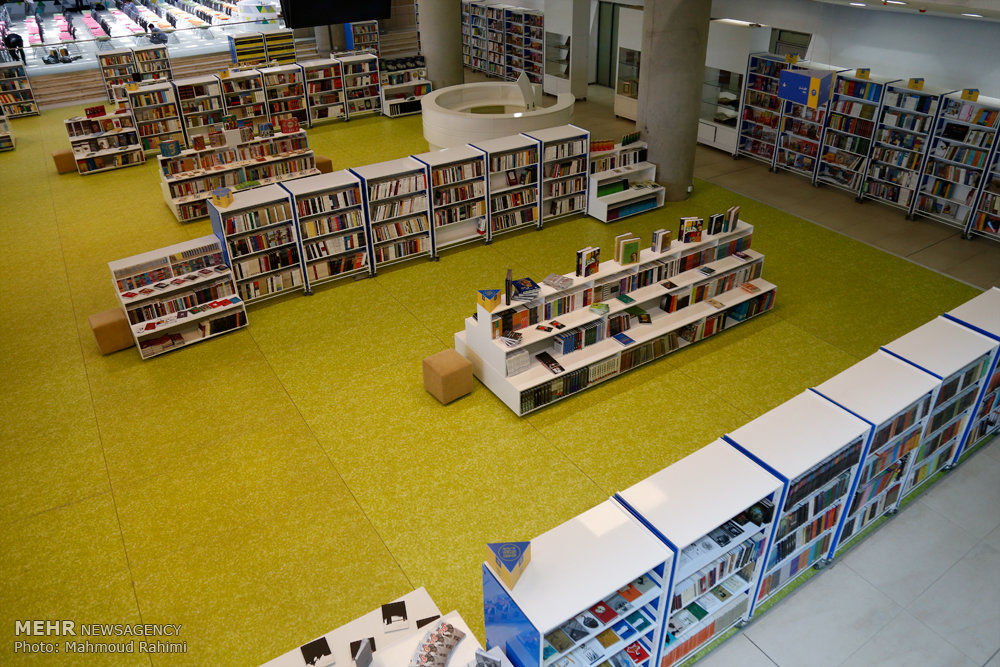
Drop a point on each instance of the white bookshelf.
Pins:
(513, 169)
(986, 220)
(801, 128)
(152, 63)
(200, 101)
(554, 595)
(244, 97)
(362, 35)
(567, 34)
(760, 110)
(457, 196)
(396, 197)
(963, 360)
(157, 117)
(329, 214)
(477, 31)
(285, 93)
(17, 99)
(981, 314)
(895, 397)
(178, 295)
(324, 85)
(260, 241)
(495, 40)
(618, 156)
(104, 142)
(565, 164)
(814, 447)
(117, 67)
(361, 84)
(403, 99)
(6, 136)
(685, 504)
(639, 192)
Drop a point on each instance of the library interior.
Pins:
(445, 259)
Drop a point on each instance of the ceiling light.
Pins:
(857, 4)
(894, 2)
(975, 16)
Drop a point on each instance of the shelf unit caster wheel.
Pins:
(308, 292)
(966, 237)
(816, 184)
(910, 217)
(435, 258)
(736, 156)
(892, 512)
(860, 200)
(487, 241)
(742, 623)
(820, 564)
(949, 467)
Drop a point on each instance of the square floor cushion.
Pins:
(111, 330)
(324, 164)
(65, 162)
(447, 375)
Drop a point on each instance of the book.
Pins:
(556, 281)
(600, 308)
(690, 230)
(603, 612)
(624, 629)
(525, 289)
(639, 621)
(750, 287)
(509, 286)
(587, 620)
(592, 261)
(623, 339)
(630, 251)
(716, 223)
(617, 601)
(608, 638)
(574, 630)
(549, 362)
(592, 651)
(618, 245)
(715, 302)
(636, 652)
(559, 640)
(661, 241)
(394, 617)
(630, 593)
(732, 217)
(557, 325)
(625, 298)
(511, 338)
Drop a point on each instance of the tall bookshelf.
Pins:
(814, 448)
(329, 215)
(986, 220)
(152, 63)
(961, 144)
(477, 34)
(6, 136)
(800, 131)
(895, 397)
(671, 289)
(324, 86)
(244, 97)
(260, 242)
(117, 67)
(901, 140)
(157, 116)
(565, 170)
(104, 142)
(604, 607)
(714, 509)
(457, 196)
(361, 84)
(361, 36)
(466, 34)
(513, 41)
(188, 179)
(16, 96)
(397, 202)
(761, 107)
(513, 175)
(200, 101)
(285, 93)
(847, 138)
(963, 360)
(495, 41)
(178, 295)
(533, 58)
(981, 314)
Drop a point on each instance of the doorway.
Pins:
(607, 43)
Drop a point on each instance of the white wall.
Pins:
(946, 52)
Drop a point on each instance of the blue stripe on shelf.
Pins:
(971, 326)
(842, 407)
(905, 360)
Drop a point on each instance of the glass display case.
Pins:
(557, 49)
(720, 97)
(627, 86)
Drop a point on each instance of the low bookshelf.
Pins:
(458, 196)
(565, 162)
(403, 82)
(237, 162)
(243, 95)
(17, 99)
(285, 93)
(566, 609)
(105, 142)
(814, 448)
(715, 510)
(200, 101)
(607, 155)
(397, 202)
(157, 117)
(895, 397)
(6, 136)
(981, 314)
(513, 170)
(361, 84)
(260, 242)
(178, 295)
(333, 236)
(653, 309)
(963, 360)
(624, 191)
(324, 84)
(152, 63)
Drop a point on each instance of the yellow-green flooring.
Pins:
(267, 486)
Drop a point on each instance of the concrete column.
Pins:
(322, 33)
(671, 68)
(441, 41)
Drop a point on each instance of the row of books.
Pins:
(805, 534)
(264, 263)
(791, 568)
(456, 172)
(856, 126)
(272, 283)
(513, 159)
(180, 302)
(330, 224)
(402, 185)
(707, 578)
(334, 245)
(334, 266)
(270, 238)
(565, 149)
(821, 499)
(453, 214)
(970, 112)
(399, 207)
(259, 217)
(865, 90)
(398, 228)
(400, 249)
(458, 193)
(971, 156)
(329, 201)
(906, 121)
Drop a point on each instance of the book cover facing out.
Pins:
(508, 560)
(811, 88)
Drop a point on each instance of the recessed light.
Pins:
(975, 16)
(857, 4)
(894, 2)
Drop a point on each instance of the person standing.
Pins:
(15, 46)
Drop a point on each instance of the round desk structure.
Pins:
(471, 112)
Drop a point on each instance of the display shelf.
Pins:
(200, 101)
(725, 530)
(361, 84)
(557, 55)
(285, 93)
(982, 315)
(618, 156)
(397, 203)
(761, 107)
(324, 85)
(986, 220)
(814, 447)
(362, 36)
(477, 36)
(247, 49)
(157, 117)
(624, 191)
(466, 34)
(961, 144)
(178, 295)
(244, 97)
(899, 145)
(628, 58)
(457, 196)
(512, 185)
(565, 164)
(260, 242)
(800, 129)
(329, 215)
(6, 136)
(549, 616)
(855, 106)
(895, 397)
(102, 143)
(117, 67)
(403, 99)
(495, 40)
(17, 99)
(963, 360)
(152, 63)
(524, 43)
(188, 179)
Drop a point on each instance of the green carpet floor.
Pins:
(269, 485)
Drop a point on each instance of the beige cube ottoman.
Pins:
(324, 164)
(447, 375)
(111, 330)
(65, 162)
